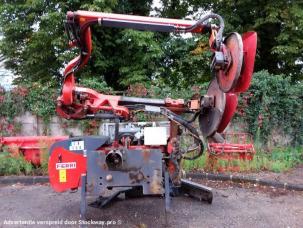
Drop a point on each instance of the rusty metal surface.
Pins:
(211, 115)
(228, 78)
(197, 191)
(138, 168)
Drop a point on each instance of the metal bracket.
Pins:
(207, 101)
(102, 202)
(197, 191)
(167, 191)
(83, 202)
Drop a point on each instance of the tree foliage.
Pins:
(35, 46)
(273, 103)
(279, 27)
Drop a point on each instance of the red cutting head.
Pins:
(229, 111)
(249, 49)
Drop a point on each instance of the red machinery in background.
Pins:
(147, 162)
(237, 147)
(31, 147)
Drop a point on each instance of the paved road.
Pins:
(232, 207)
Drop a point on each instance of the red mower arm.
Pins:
(232, 65)
(78, 29)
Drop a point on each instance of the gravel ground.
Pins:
(293, 176)
(233, 206)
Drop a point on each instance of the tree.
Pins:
(278, 23)
(35, 44)
(186, 62)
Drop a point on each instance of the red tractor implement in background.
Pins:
(146, 161)
(236, 148)
(31, 147)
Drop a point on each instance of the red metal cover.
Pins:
(65, 169)
(230, 109)
(67, 90)
(31, 147)
(249, 48)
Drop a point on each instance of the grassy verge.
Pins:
(16, 165)
(12, 165)
(278, 160)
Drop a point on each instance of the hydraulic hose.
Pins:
(202, 20)
(193, 132)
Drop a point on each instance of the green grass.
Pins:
(10, 165)
(15, 164)
(43, 169)
(278, 160)
(195, 164)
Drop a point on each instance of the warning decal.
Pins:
(62, 175)
(76, 145)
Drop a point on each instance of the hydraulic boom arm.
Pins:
(215, 109)
(139, 158)
(78, 29)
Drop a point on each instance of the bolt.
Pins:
(140, 176)
(109, 177)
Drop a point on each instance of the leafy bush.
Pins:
(12, 103)
(96, 84)
(41, 101)
(43, 168)
(273, 102)
(10, 165)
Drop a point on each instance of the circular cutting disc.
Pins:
(210, 117)
(227, 79)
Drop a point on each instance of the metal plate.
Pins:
(227, 79)
(230, 109)
(210, 118)
(249, 49)
(139, 168)
(197, 191)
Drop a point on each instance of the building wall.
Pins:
(31, 125)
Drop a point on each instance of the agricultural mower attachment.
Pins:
(145, 161)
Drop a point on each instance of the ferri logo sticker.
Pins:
(76, 145)
(66, 165)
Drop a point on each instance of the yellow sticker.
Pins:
(62, 175)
